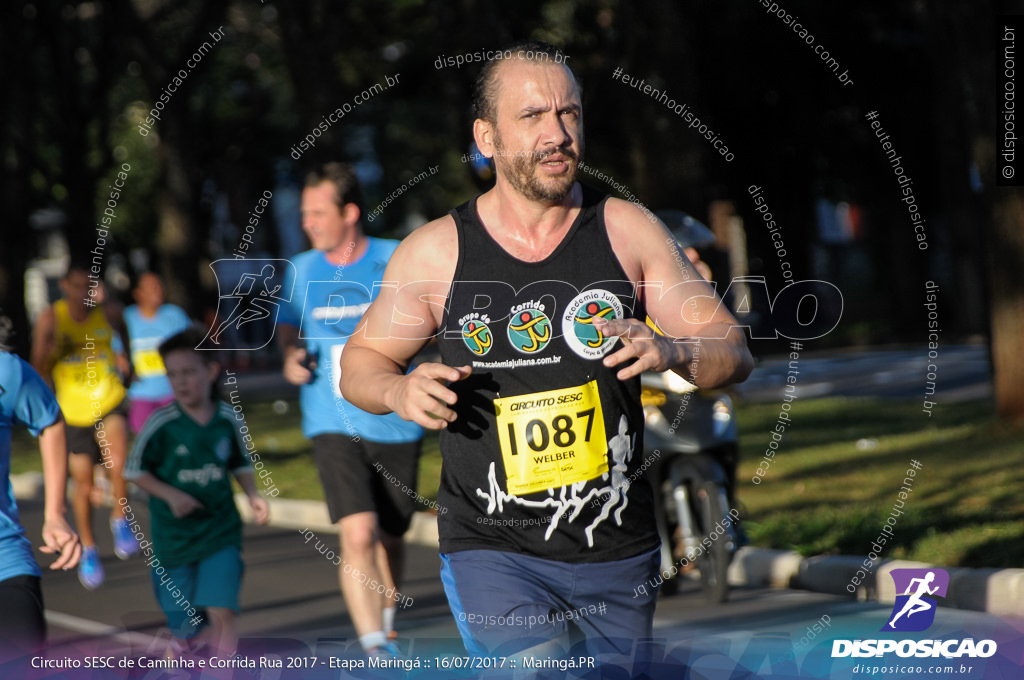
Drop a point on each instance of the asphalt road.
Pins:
(961, 374)
(292, 608)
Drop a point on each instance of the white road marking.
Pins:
(97, 629)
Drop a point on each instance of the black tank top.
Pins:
(543, 457)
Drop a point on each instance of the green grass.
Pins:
(822, 493)
(825, 494)
(279, 442)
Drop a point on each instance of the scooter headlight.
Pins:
(652, 398)
(677, 383)
(721, 414)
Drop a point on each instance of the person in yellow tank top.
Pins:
(77, 343)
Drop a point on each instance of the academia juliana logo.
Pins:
(578, 327)
(529, 329)
(913, 610)
(476, 333)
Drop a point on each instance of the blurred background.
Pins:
(80, 78)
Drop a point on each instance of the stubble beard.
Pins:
(520, 170)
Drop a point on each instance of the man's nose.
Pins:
(555, 131)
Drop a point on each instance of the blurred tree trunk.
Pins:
(16, 116)
(181, 235)
(970, 35)
(1007, 255)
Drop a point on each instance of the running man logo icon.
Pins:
(913, 611)
(250, 293)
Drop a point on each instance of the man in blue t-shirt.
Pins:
(26, 400)
(150, 321)
(356, 453)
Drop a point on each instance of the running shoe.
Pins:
(125, 544)
(90, 571)
(388, 650)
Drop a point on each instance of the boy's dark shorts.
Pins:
(83, 439)
(357, 476)
(214, 581)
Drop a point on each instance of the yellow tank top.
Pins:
(85, 376)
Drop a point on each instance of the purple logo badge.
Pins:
(914, 610)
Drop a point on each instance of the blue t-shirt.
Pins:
(145, 336)
(24, 400)
(327, 303)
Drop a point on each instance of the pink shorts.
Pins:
(142, 409)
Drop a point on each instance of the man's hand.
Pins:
(61, 540)
(652, 352)
(260, 508)
(422, 396)
(182, 504)
(294, 371)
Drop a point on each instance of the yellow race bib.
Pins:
(148, 362)
(551, 439)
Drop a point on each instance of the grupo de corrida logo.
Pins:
(476, 333)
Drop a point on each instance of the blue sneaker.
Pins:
(125, 544)
(388, 650)
(90, 571)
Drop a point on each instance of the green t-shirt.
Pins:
(198, 459)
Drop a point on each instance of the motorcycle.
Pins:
(692, 450)
(690, 446)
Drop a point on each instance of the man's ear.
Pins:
(350, 213)
(483, 135)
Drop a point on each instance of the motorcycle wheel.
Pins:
(713, 563)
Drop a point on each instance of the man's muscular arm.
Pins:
(680, 302)
(403, 318)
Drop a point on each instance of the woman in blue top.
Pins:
(150, 321)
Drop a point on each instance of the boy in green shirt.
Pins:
(182, 459)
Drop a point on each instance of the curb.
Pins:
(999, 592)
(291, 513)
(287, 513)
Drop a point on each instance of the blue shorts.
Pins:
(211, 582)
(506, 602)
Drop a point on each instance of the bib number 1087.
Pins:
(551, 439)
(538, 433)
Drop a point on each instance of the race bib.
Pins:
(148, 362)
(552, 439)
